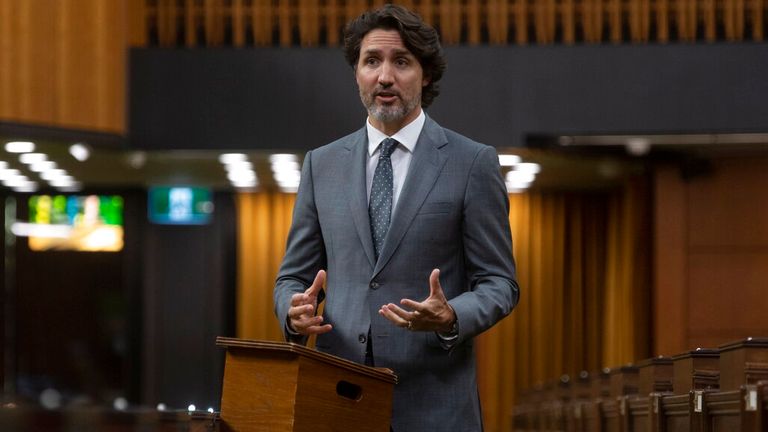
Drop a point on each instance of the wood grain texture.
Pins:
(711, 254)
(286, 387)
(63, 63)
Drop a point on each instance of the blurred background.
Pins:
(150, 152)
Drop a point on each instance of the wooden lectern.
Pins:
(274, 386)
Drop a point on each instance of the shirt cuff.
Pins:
(449, 339)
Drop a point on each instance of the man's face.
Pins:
(390, 80)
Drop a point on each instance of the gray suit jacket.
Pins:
(452, 214)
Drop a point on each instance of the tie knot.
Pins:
(387, 147)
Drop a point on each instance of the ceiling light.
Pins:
(74, 187)
(19, 147)
(16, 181)
(283, 157)
(244, 176)
(520, 177)
(528, 167)
(53, 174)
(32, 158)
(228, 158)
(64, 181)
(43, 166)
(137, 159)
(238, 166)
(245, 185)
(80, 151)
(9, 173)
(29, 186)
(638, 146)
(286, 165)
(288, 177)
(509, 159)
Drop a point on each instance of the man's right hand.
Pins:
(301, 315)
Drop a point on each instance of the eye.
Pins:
(371, 61)
(402, 61)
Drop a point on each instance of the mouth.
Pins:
(386, 96)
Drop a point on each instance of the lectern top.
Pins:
(383, 374)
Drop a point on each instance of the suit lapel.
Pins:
(356, 190)
(425, 166)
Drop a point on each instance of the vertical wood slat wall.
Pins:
(62, 63)
(317, 22)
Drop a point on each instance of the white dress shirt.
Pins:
(401, 156)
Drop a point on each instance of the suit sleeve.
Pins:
(304, 252)
(493, 288)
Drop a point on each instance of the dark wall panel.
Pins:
(299, 99)
(189, 289)
(240, 99)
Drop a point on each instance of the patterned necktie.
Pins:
(380, 206)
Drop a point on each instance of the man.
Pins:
(410, 221)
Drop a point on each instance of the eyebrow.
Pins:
(397, 51)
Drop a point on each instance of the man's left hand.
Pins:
(432, 314)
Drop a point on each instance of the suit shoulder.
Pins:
(464, 144)
(342, 144)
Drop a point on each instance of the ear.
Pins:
(425, 81)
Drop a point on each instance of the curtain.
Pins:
(264, 220)
(583, 269)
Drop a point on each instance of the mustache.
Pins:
(385, 92)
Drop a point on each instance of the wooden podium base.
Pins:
(272, 386)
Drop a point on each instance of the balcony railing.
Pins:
(238, 23)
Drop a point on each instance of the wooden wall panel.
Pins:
(727, 295)
(670, 251)
(711, 255)
(27, 84)
(8, 19)
(730, 193)
(63, 63)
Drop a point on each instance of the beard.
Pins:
(394, 112)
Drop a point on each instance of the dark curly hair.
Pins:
(420, 39)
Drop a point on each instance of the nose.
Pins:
(386, 76)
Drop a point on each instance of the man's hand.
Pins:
(432, 314)
(301, 314)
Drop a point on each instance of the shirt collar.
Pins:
(407, 136)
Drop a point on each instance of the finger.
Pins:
(305, 325)
(396, 319)
(319, 329)
(317, 284)
(414, 305)
(303, 321)
(400, 312)
(298, 299)
(297, 311)
(435, 290)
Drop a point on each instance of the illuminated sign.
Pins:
(73, 222)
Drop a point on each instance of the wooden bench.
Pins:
(743, 362)
(733, 410)
(703, 390)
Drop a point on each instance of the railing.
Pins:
(211, 23)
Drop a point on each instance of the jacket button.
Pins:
(361, 338)
(374, 285)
